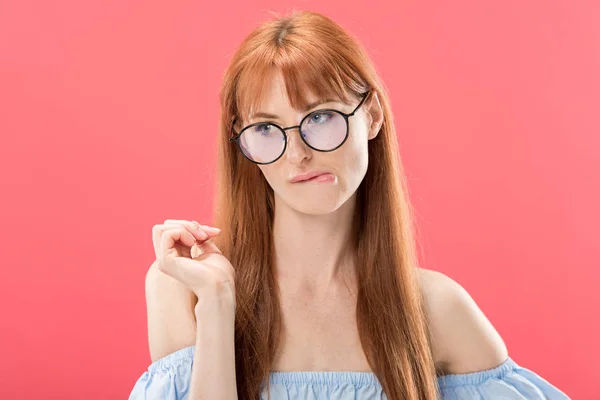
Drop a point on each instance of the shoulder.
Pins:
(170, 309)
(463, 339)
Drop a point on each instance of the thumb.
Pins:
(207, 246)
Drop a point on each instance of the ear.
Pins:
(375, 111)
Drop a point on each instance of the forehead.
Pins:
(276, 92)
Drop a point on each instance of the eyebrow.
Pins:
(308, 107)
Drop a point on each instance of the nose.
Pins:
(296, 150)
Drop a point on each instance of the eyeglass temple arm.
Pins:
(360, 104)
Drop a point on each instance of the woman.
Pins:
(311, 290)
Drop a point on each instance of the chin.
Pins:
(314, 209)
(316, 205)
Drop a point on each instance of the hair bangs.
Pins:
(309, 72)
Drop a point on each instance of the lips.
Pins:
(308, 176)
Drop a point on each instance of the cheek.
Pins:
(269, 174)
(351, 164)
(357, 164)
(357, 154)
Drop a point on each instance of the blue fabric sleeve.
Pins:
(168, 378)
(507, 381)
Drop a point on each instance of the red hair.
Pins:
(315, 54)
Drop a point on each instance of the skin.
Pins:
(311, 228)
(310, 273)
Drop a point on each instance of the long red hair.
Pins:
(316, 54)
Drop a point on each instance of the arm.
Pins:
(464, 340)
(213, 374)
(471, 354)
(176, 279)
(173, 310)
(170, 309)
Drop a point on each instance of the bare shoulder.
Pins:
(463, 339)
(170, 309)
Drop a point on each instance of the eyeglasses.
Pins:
(322, 130)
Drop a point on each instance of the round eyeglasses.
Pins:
(322, 130)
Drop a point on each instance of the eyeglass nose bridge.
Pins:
(286, 137)
(293, 127)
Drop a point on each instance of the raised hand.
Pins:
(185, 251)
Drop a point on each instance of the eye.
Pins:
(263, 129)
(320, 117)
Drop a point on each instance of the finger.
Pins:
(199, 234)
(200, 246)
(191, 224)
(157, 234)
(209, 228)
(157, 231)
(208, 246)
(172, 236)
(195, 228)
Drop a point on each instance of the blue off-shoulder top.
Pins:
(169, 378)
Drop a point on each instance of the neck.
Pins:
(313, 251)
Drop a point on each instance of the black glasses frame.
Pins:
(237, 136)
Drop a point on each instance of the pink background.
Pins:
(108, 116)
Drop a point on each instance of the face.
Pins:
(343, 169)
